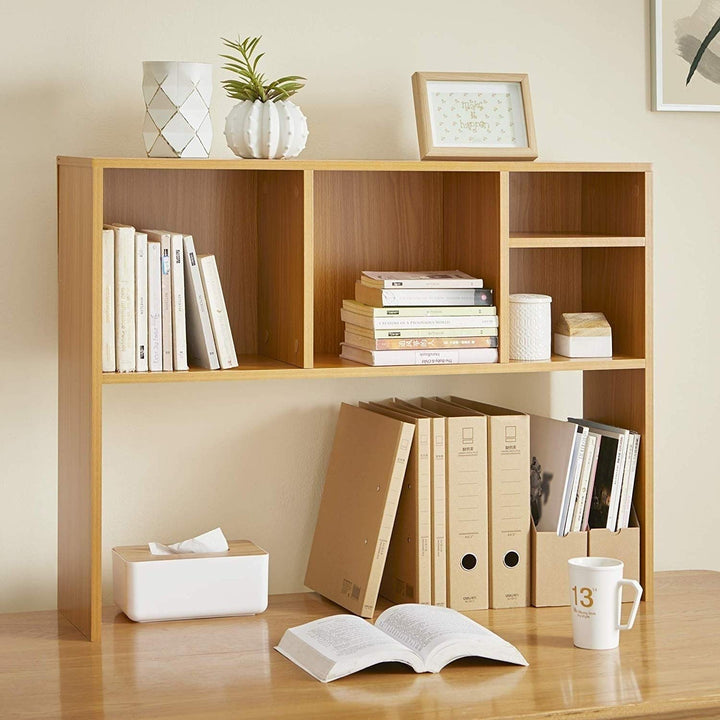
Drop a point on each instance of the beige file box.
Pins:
(623, 545)
(508, 503)
(466, 505)
(550, 555)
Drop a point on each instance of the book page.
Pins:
(339, 645)
(440, 635)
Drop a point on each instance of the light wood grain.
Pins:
(666, 667)
(218, 208)
(370, 221)
(354, 165)
(281, 266)
(141, 553)
(562, 240)
(79, 397)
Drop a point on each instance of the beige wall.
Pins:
(251, 455)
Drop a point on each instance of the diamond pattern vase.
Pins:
(177, 100)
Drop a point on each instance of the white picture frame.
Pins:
(670, 89)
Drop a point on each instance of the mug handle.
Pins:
(636, 602)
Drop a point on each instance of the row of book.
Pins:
(425, 501)
(162, 304)
(420, 318)
(582, 474)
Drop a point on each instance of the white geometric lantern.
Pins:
(273, 129)
(177, 100)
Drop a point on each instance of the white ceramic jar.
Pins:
(530, 326)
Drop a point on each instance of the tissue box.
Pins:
(195, 585)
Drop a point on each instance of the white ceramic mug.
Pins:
(596, 586)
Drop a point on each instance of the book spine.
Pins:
(167, 303)
(627, 491)
(388, 519)
(620, 460)
(418, 311)
(407, 298)
(218, 313)
(125, 299)
(577, 471)
(423, 284)
(420, 323)
(426, 343)
(108, 301)
(584, 483)
(155, 350)
(419, 357)
(201, 344)
(178, 299)
(439, 513)
(369, 332)
(424, 517)
(141, 316)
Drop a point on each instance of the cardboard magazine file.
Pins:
(407, 577)
(358, 506)
(550, 555)
(623, 545)
(508, 457)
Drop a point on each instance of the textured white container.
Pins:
(177, 587)
(266, 129)
(530, 326)
(177, 101)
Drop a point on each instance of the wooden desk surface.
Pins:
(668, 666)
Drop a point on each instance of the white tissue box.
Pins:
(193, 585)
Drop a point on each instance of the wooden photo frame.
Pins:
(474, 116)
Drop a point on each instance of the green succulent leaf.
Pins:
(252, 85)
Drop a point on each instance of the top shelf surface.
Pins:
(376, 165)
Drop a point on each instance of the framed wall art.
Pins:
(473, 116)
(686, 55)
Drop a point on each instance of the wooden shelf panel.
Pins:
(333, 366)
(571, 240)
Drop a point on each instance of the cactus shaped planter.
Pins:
(271, 129)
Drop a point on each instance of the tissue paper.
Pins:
(209, 542)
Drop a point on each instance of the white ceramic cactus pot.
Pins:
(266, 129)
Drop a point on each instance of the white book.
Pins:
(581, 497)
(629, 482)
(166, 296)
(573, 480)
(428, 279)
(425, 637)
(177, 278)
(623, 439)
(399, 323)
(108, 301)
(141, 314)
(200, 341)
(124, 297)
(419, 357)
(154, 304)
(219, 319)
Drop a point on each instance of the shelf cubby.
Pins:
(292, 237)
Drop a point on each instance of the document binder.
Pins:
(509, 503)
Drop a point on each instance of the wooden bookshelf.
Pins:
(290, 239)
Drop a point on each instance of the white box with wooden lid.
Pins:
(151, 587)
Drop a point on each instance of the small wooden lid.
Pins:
(590, 324)
(141, 553)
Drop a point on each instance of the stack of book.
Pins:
(162, 304)
(582, 474)
(420, 318)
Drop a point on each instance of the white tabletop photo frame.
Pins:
(474, 116)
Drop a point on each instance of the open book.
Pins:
(425, 637)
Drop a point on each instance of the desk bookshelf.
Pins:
(291, 237)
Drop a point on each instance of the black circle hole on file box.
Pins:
(511, 559)
(468, 562)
